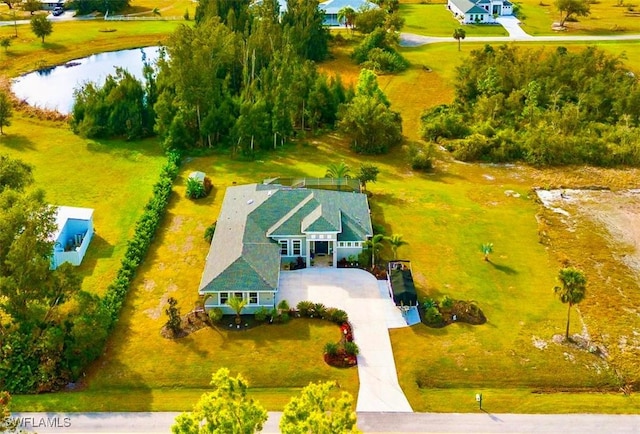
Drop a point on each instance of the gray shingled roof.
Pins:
(242, 255)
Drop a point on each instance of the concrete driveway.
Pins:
(370, 311)
(512, 25)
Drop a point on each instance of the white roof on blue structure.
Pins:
(65, 213)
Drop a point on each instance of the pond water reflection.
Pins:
(52, 88)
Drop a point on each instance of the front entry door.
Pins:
(322, 247)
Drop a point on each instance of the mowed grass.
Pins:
(77, 39)
(445, 216)
(167, 8)
(112, 177)
(437, 20)
(606, 18)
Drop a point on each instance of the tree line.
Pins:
(243, 78)
(542, 107)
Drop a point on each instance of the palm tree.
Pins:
(375, 244)
(572, 291)
(487, 249)
(396, 241)
(338, 172)
(459, 34)
(347, 15)
(237, 304)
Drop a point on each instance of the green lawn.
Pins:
(445, 216)
(606, 18)
(73, 40)
(112, 177)
(437, 20)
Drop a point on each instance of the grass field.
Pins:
(73, 40)
(444, 216)
(606, 18)
(437, 20)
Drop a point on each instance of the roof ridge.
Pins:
(290, 214)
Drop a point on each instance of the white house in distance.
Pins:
(331, 9)
(72, 236)
(479, 11)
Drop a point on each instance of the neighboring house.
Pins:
(479, 11)
(49, 5)
(262, 228)
(72, 236)
(332, 8)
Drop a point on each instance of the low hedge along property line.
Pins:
(145, 231)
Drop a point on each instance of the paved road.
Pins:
(375, 423)
(370, 312)
(413, 40)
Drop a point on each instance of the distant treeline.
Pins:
(541, 107)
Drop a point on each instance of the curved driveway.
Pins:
(371, 312)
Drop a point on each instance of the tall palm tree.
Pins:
(237, 304)
(396, 241)
(338, 172)
(375, 244)
(459, 34)
(572, 291)
(347, 16)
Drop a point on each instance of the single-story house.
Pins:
(332, 9)
(49, 5)
(73, 234)
(262, 228)
(479, 11)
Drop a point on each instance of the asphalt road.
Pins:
(481, 422)
(412, 40)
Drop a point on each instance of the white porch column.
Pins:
(308, 253)
(335, 253)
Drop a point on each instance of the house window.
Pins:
(340, 243)
(284, 248)
(224, 296)
(239, 295)
(296, 246)
(253, 298)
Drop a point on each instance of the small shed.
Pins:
(401, 283)
(74, 231)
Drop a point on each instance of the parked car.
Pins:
(57, 11)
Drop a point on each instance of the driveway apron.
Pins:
(358, 293)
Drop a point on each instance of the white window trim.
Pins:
(293, 248)
(256, 297)
(284, 243)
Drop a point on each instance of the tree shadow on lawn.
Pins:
(297, 329)
(99, 248)
(504, 268)
(17, 142)
(129, 391)
(55, 47)
(126, 149)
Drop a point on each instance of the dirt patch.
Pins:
(617, 212)
(190, 323)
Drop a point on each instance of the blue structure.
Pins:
(72, 236)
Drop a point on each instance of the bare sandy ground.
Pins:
(618, 212)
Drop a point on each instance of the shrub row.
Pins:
(143, 236)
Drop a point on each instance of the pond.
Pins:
(52, 88)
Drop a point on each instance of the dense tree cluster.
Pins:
(48, 325)
(377, 51)
(122, 107)
(248, 89)
(368, 120)
(84, 7)
(541, 107)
